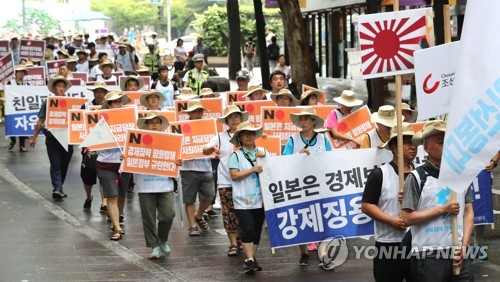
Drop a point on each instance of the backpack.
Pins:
(249, 50)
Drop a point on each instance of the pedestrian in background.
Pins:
(180, 55)
(201, 48)
(249, 53)
(273, 51)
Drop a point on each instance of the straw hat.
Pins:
(142, 68)
(107, 62)
(21, 68)
(29, 64)
(144, 98)
(252, 89)
(62, 51)
(114, 95)
(35, 60)
(141, 122)
(231, 110)
(71, 60)
(348, 99)
(94, 59)
(431, 128)
(307, 111)
(286, 93)
(386, 115)
(82, 51)
(308, 93)
(414, 114)
(99, 85)
(124, 80)
(51, 83)
(194, 104)
(245, 126)
(186, 94)
(208, 91)
(407, 131)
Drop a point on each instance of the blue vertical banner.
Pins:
(483, 205)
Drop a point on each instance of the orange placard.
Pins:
(135, 97)
(271, 143)
(152, 152)
(169, 115)
(214, 105)
(254, 109)
(57, 110)
(323, 110)
(94, 108)
(276, 122)
(197, 133)
(76, 127)
(322, 101)
(354, 125)
(118, 120)
(417, 126)
(235, 96)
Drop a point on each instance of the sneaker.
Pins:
(56, 194)
(164, 248)
(257, 266)
(87, 204)
(216, 206)
(211, 213)
(155, 253)
(249, 266)
(304, 260)
(103, 209)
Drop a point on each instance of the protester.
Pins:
(310, 98)
(166, 87)
(152, 100)
(381, 201)
(347, 102)
(194, 78)
(156, 196)
(131, 83)
(249, 53)
(19, 73)
(255, 93)
(409, 114)
(82, 63)
(242, 80)
(197, 178)
(71, 63)
(88, 172)
(180, 55)
(59, 157)
(125, 60)
(208, 93)
(114, 183)
(286, 70)
(426, 206)
(284, 98)
(96, 70)
(385, 118)
(106, 67)
(221, 146)
(247, 197)
(277, 79)
(307, 141)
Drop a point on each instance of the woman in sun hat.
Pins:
(131, 83)
(59, 156)
(310, 98)
(152, 100)
(409, 114)
(284, 98)
(385, 118)
(221, 146)
(247, 197)
(156, 196)
(255, 93)
(347, 101)
(208, 93)
(307, 141)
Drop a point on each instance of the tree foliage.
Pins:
(35, 18)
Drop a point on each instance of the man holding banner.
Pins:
(20, 73)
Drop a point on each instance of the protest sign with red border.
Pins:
(276, 121)
(197, 133)
(254, 109)
(4, 47)
(6, 67)
(235, 96)
(32, 49)
(53, 67)
(35, 76)
(214, 106)
(354, 125)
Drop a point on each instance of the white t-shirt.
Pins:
(153, 183)
(201, 165)
(226, 149)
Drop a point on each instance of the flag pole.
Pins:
(453, 194)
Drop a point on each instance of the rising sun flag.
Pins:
(388, 40)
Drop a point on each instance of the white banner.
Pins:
(474, 120)
(435, 70)
(100, 134)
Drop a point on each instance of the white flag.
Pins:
(100, 134)
(61, 135)
(471, 138)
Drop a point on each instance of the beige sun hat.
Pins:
(94, 59)
(99, 85)
(21, 68)
(386, 115)
(29, 64)
(286, 93)
(35, 60)
(252, 89)
(245, 126)
(231, 109)
(406, 107)
(51, 83)
(307, 111)
(71, 60)
(407, 131)
(194, 104)
(208, 91)
(144, 98)
(82, 50)
(124, 81)
(62, 51)
(348, 99)
(112, 96)
(308, 93)
(431, 128)
(142, 68)
(107, 62)
(186, 93)
(141, 122)
(198, 58)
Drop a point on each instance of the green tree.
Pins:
(44, 21)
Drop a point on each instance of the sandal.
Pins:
(233, 251)
(117, 236)
(238, 242)
(11, 146)
(202, 223)
(23, 150)
(193, 231)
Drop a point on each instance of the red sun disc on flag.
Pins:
(280, 114)
(28, 43)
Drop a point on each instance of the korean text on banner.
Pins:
(388, 40)
(152, 152)
(119, 120)
(35, 76)
(6, 67)
(309, 198)
(435, 70)
(471, 138)
(76, 127)
(32, 49)
(254, 109)
(4, 47)
(57, 110)
(213, 105)
(197, 133)
(276, 121)
(53, 67)
(354, 125)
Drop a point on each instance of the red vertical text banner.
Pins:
(152, 152)
(197, 133)
(57, 110)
